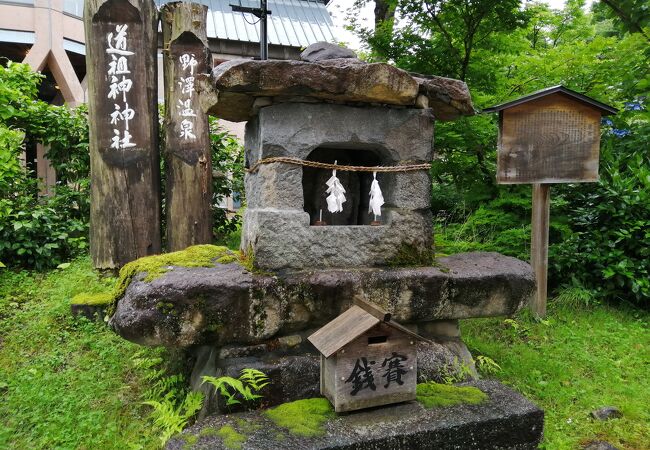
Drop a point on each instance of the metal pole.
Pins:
(261, 13)
(264, 41)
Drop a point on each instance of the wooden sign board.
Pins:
(550, 136)
(552, 139)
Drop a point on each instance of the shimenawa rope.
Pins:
(322, 165)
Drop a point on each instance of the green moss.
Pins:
(247, 426)
(433, 395)
(96, 299)
(157, 265)
(165, 307)
(231, 438)
(208, 432)
(302, 417)
(247, 259)
(214, 327)
(437, 264)
(189, 439)
(228, 258)
(410, 255)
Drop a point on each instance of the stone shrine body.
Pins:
(339, 111)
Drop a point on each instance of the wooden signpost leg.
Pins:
(539, 245)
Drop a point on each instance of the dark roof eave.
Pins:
(604, 109)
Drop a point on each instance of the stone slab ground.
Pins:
(506, 421)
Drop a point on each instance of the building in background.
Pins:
(49, 36)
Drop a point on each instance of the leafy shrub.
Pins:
(608, 251)
(228, 167)
(40, 232)
(501, 225)
(34, 234)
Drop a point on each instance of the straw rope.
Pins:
(322, 165)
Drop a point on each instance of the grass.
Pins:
(64, 382)
(71, 383)
(575, 361)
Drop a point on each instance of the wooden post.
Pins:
(187, 147)
(121, 41)
(539, 245)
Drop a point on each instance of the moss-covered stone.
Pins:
(208, 432)
(303, 417)
(95, 299)
(231, 438)
(156, 266)
(410, 255)
(439, 265)
(432, 395)
(228, 258)
(247, 426)
(189, 439)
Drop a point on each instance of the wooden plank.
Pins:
(372, 309)
(539, 245)
(397, 345)
(187, 141)
(553, 139)
(328, 382)
(343, 329)
(121, 45)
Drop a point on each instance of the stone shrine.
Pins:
(336, 110)
(302, 273)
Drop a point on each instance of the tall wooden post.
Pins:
(187, 147)
(539, 245)
(121, 41)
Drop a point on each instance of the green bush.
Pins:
(608, 251)
(43, 232)
(40, 232)
(500, 225)
(33, 234)
(228, 165)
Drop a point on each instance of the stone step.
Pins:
(505, 421)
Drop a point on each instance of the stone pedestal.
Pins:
(505, 421)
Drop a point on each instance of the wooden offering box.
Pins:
(366, 360)
(550, 136)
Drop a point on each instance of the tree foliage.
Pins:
(40, 231)
(504, 50)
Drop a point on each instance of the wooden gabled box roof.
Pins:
(604, 109)
(354, 322)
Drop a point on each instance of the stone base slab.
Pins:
(226, 304)
(506, 421)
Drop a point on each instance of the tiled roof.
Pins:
(292, 23)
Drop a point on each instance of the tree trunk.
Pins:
(384, 11)
(121, 41)
(187, 140)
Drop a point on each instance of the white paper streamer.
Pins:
(376, 197)
(336, 198)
